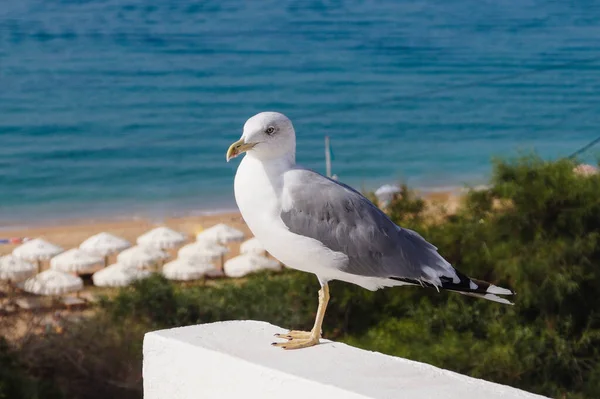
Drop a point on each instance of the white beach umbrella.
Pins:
(387, 189)
(37, 250)
(104, 244)
(15, 269)
(252, 246)
(141, 256)
(202, 250)
(249, 263)
(77, 261)
(52, 282)
(386, 193)
(585, 170)
(220, 233)
(205, 251)
(162, 237)
(118, 275)
(187, 269)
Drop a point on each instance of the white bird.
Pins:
(315, 224)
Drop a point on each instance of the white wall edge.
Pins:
(235, 359)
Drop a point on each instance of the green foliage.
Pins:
(93, 358)
(16, 383)
(535, 230)
(285, 298)
(406, 208)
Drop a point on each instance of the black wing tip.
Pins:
(483, 289)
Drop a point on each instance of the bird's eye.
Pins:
(270, 130)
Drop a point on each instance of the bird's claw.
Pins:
(297, 339)
(297, 343)
(293, 334)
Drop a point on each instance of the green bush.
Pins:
(15, 381)
(95, 357)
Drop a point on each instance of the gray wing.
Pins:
(345, 221)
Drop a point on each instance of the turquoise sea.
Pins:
(126, 107)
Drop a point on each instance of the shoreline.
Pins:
(116, 218)
(177, 212)
(70, 232)
(433, 195)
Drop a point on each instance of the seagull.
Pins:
(318, 225)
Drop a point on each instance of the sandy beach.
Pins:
(71, 234)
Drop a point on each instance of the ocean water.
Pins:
(126, 107)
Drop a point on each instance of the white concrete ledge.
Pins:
(235, 360)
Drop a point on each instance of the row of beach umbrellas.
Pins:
(194, 261)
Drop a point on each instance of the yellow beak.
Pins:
(238, 148)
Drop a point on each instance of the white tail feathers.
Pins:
(494, 289)
(489, 297)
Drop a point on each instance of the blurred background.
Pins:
(124, 106)
(115, 116)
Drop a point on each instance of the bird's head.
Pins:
(266, 135)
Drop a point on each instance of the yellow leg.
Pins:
(294, 334)
(305, 339)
